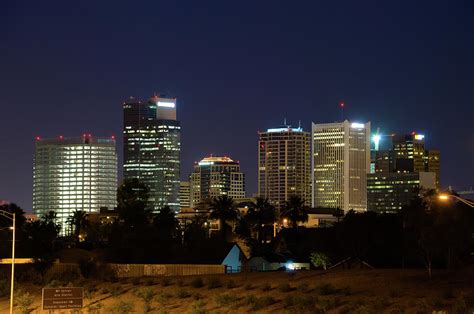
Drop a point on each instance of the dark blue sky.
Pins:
(236, 67)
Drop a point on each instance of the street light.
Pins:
(445, 197)
(11, 216)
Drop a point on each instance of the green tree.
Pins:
(167, 225)
(132, 197)
(260, 214)
(319, 259)
(78, 222)
(224, 209)
(295, 211)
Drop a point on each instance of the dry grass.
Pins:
(349, 291)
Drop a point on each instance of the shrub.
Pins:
(146, 294)
(197, 296)
(105, 291)
(136, 281)
(266, 287)
(394, 293)
(213, 283)
(231, 284)
(460, 306)
(319, 259)
(165, 282)
(180, 283)
(24, 300)
(183, 293)
(162, 298)
(303, 287)
(198, 307)
(257, 303)
(54, 284)
(263, 302)
(95, 308)
(105, 273)
(150, 282)
(226, 299)
(249, 286)
(303, 303)
(88, 268)
(116, 290)
(250, 299)
(347, 291)
(4, 288)
(284, 287)
(197, 283)
(449, 293)
(121, 307)
(327, 289)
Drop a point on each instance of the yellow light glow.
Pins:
(443, 197)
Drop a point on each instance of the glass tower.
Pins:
(74, 174)
(151, 149)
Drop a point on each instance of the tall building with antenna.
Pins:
(284, 164)
(152, 140)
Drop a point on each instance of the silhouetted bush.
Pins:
(284, 287)
(197, 283)
(183, 293)
(88, 268)
(226, 299)
(213, 283)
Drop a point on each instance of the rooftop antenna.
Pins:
(299, 124)
(342, 105)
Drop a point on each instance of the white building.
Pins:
(74, 174)
(341, 161)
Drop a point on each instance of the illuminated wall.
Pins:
(284, 164)
(152, 142)
(71, 174)
(341, 162)
(215, 176)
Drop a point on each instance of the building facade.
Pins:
(388, 192)
(152, 140)
(215, 176)
(341, 162)
(284, 165)
(185, 194)
(409, 154)
(74, 174)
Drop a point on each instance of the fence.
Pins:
(150, 270)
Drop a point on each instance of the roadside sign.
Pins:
(62, 298)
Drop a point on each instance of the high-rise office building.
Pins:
(284, 165)
(215, 176)
(341, 162)
(184, 194)
(74, 174)
(388, 192)
(151, 148)
(410, 155)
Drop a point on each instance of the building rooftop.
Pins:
(211, 160)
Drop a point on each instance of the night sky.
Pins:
(236, 67)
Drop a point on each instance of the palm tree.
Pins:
(295, 211)
(224, 209)
(78, 222)
(261, 213)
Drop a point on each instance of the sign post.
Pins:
(62, 298)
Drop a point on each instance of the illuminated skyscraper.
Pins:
(284, 165)
(74, 174)
(341, 161)
(410, 155)
(184, 194)
(151, 149)
(215, 176)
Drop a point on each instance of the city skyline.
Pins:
(227, 78)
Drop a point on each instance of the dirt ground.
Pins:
(342, 291)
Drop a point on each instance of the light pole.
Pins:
(11, 216)
(445, 197)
